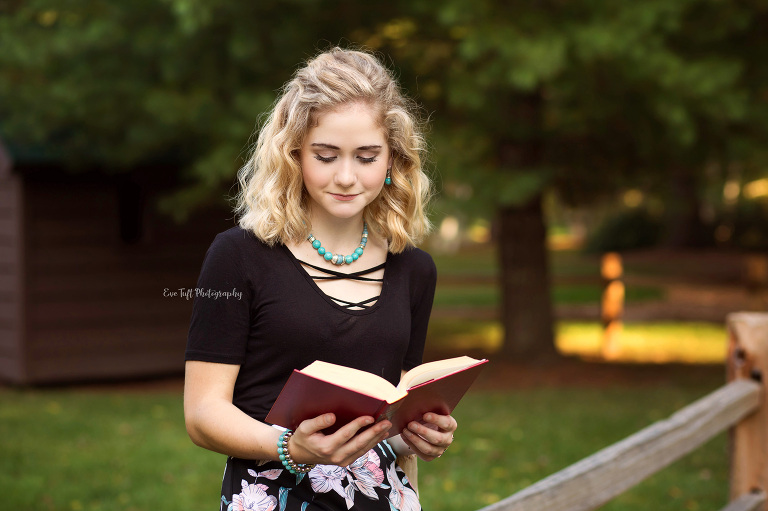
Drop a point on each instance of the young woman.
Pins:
(331, 206)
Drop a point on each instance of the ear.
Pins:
(391, 160)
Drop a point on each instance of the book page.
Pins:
(436, 369)
(354, 379)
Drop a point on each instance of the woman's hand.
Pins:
(430, 439)
(309, 445)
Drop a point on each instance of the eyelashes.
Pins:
(329, 159)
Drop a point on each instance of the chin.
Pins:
(344, 211)
(346, 215)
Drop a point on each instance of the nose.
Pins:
(345, 175)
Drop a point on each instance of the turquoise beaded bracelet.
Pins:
(285, 457)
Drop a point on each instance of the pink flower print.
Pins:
(367, 474)
(268, 474)
(253, 498)
(325, 478)
(401, 497)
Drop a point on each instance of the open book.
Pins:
(322, 387)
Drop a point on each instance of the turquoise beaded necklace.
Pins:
(339, 259)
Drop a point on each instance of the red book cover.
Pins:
(440, 396)
(305, 397)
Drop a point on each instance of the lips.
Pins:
(343, 197)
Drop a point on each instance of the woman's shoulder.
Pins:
(416, 260)
(237, 242)
(237, 237)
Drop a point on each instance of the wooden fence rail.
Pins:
(754, 501)
(740, 405)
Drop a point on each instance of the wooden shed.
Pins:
(87, 271)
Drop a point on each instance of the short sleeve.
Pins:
(424, 281)
(219, 328)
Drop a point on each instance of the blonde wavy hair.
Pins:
(272, 201)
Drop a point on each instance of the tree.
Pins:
(582, 98)
(115, 86)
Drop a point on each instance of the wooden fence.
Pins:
(740, 405)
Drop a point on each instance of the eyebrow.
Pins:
(331, 146)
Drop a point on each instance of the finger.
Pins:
(367, 440)
(361, 443)
(423, 448)
(430, 433)
(356, 427)
(444, 422)
(317, 424)
(343, 446)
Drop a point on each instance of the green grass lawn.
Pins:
(487, 294)
(469, 279)
(508, 441)
(81, 450)
(648, 342)
(107, 450)
(481, 261)
(651, 342)
(100, 449)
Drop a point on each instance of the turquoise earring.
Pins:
(388, 180)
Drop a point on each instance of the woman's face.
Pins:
(344, 161)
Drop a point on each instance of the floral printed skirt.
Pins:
(373, 482)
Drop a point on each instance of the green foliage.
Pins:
(740, 226)
(626, 230)
(746, 226)
(584, 96)
(119, 85)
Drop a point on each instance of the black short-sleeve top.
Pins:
(257, 307)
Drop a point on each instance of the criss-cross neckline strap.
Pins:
(349, 305)
(337, 275)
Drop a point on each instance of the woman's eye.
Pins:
(324, 159)
(367, 160)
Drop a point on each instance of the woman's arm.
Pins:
(214, 423)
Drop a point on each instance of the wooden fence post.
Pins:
(756, 280)
(748, 358)
(612, 304)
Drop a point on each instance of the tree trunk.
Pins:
(526, 312)
(683, 205)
